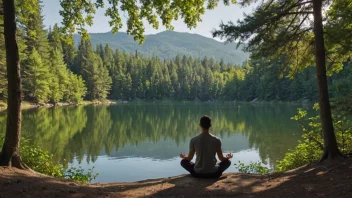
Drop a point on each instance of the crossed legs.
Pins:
(189, 166)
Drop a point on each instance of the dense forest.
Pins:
(45, 76)
(56, 71)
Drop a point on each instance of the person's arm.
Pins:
(188, 157)
(220, 154)
(191, 152)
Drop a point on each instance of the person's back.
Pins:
(205, 146)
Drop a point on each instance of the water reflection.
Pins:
(157, 132)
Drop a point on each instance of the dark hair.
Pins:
(205, 122)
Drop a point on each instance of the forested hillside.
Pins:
(168, 44)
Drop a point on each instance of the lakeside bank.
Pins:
(317, 180)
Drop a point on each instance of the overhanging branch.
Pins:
(331, 36)
(302, 12)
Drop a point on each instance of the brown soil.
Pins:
(324, 180)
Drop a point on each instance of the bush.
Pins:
(40, 160)
(311, 148)
(78, 174)
(43, 162)
(253, 168)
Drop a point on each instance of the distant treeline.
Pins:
(55, 71)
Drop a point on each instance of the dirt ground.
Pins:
(323, 180)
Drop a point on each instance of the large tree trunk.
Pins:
(10, 150)
(330, 146)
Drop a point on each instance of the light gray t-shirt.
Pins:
(205, 146)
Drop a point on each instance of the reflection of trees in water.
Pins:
(53, 128)
(94, 136)
(270, 130)
(92, 130)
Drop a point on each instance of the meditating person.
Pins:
(205, 146)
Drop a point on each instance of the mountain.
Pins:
(168, 44)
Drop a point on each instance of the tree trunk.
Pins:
(330, 146)
(10, 150)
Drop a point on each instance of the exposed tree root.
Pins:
(331, 156)
(16, 162)
(13, 161)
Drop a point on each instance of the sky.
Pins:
(210, 20)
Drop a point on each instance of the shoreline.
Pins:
(27, 105)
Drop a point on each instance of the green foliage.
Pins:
(79, 13)
(35, 78)
(54, 38)
(76, 90)
(31, 30)
(252, 168)
(94, 73)
(182, 78)
(59, 78)
(304, 153)
(40, 160)
(185, 78)
(46, 77)
(43, 162)
(276, 32)
(279, 29)
(338, 43)
(78, 174)
(311, 148)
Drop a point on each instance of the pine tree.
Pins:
(70, 54)
(60, 77)
(54, 38)
(35, 36)
(35, 79)
(102, 80)
(76, 89)
(108, 59)
(285, 33)
(93, 72)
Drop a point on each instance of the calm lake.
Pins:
(130, 142)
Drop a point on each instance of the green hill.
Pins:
(168, 44)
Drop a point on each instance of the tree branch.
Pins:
(269, 4)
(289, 25)
(327, 33)
(287, 11)
(302, 12)
(299, 26)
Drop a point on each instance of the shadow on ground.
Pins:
(325, 180)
